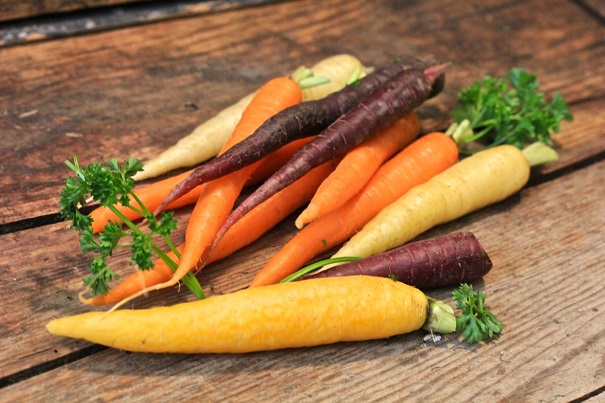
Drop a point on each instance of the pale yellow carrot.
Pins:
(485, 178)
(207, 139)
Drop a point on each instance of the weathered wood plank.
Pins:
(105, 94)
(135, 91)
(15, 9)
(595, 8)
(54, 20)
(547, 290)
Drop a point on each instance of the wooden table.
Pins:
(130, 86)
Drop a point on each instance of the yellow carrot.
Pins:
(473, 183)
(218, 197)
(300, 314)
(208, 138)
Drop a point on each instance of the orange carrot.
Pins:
(414, 165)
(358, 166)
(266, 215)
(275, 160)
(218, 197)
(152, 195)
(260, 220)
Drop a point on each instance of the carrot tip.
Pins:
(145, 291)
(436, 70)
(299, 223)
(84, 300)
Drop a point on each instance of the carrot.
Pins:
(298, 121)
(402, 94)
(260, 220)
(358, 166)
(438, 262)
(152, 195)
(299, 314)
(274, 161)
(218, 197)
(415, 164)
(208, 138)
(486, 177)
(266, 215)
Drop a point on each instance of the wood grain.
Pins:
(50, 20)
(155, 83)
(14, 9)
(134, 91)
(551, 347)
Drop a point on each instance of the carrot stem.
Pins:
(314, 266)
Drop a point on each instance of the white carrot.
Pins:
(473, 183)
(207, 139)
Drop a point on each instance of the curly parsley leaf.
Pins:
(111, 184)
(511, 111)
(101, 276)
(166, 225)
(476, 323)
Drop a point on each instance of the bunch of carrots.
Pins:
(370, 185)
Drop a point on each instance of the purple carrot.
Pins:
(438, 262)
(402, 94)
(298, 121)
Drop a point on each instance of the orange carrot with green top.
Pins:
(260, 220)
(415, 164)
(218, 197)
(358, 166)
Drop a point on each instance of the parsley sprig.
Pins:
(511, 111)
(111, 184)
(476, 323)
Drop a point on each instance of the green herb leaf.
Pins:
(510, 112)
(141, 250)
(100, 277)
(166, 225)
(476, 322)
(109, 238)
(111, 184)
(88, 243)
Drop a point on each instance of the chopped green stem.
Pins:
(354, 77)
(124, 219)
(171, 246)
(144, 212)
(189, 280)
(311, 82)
(301, 73)
(76, 168)
(539, 153)
(441, 318)
(314, 266)
(304, 77)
